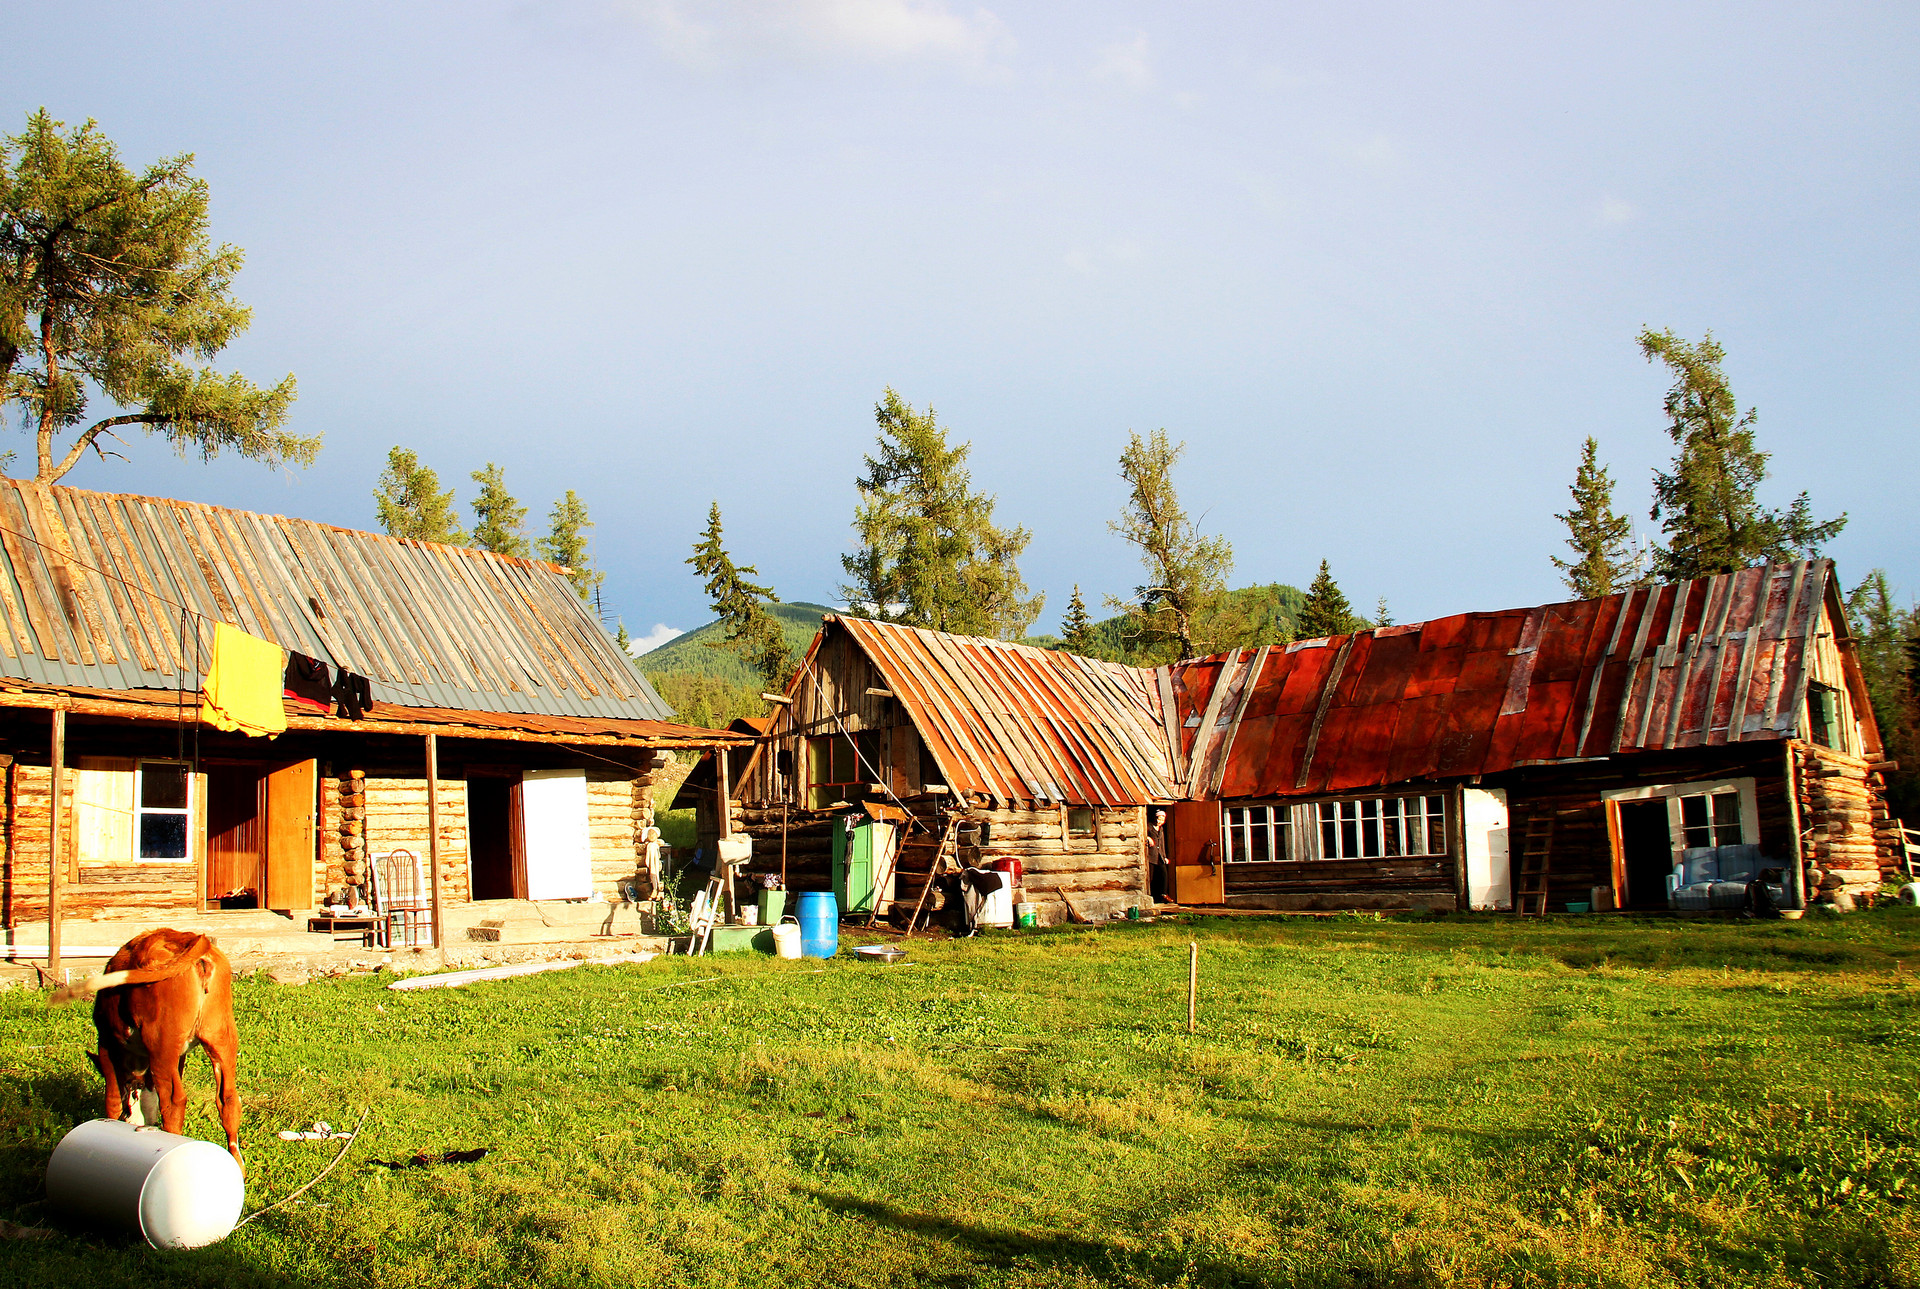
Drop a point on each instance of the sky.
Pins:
(1379, 266)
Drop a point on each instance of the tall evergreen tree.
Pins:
(1600, 537)
(109, 284)
(1708, 503)
(499, 522)
(1180, 607)
(1077, 625)
(930, 554)
(751, 631)
(410, 502)
(1382, 615)
(1326, 611)
(566, 544)
(1887, 639)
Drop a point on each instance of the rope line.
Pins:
(345, 1147)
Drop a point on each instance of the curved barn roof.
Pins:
(1701, 663)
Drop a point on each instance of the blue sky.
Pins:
(1380, 266)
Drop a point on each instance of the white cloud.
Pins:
(716, 31)
(1126, 63)
(1615, 211)
(661, 634)
(1090, 260)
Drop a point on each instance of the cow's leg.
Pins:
(223, 1050)
(165, 1076)
(116, 1089)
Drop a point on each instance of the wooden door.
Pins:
(1617, 852)
(290, 850)
(1198, 875)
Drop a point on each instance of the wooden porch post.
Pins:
(54, 838)
(725, 791)
(433, 834)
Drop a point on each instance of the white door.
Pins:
(1483, 827)
(553, 805)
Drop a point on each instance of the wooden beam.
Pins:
(433, 836)
(724, 791)
(55, 835)
(781, 699)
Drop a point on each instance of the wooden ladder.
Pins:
(1536, 849)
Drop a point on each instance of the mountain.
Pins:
(688, 655)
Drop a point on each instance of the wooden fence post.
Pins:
(433, 836)
(55, 836)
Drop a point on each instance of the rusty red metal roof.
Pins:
(1702, 663)
(1013, 723)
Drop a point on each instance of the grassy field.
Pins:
(1461, 1100)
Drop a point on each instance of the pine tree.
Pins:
(1181, 608)
(751, 631)
(1708, 504)
(500, 525)
(1326, 612)
(1887, 640)
(110, 287)
(410, 502)
(1601, 538)
(1382, 615)
(566, 544)
(930, 554)
(1077, 625)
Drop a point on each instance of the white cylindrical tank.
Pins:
(178, 1192)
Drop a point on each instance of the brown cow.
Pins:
(162, 992)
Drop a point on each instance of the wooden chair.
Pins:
(400, 898)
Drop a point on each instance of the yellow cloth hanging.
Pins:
(244, 684)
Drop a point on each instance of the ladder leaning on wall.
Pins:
(1536, 850)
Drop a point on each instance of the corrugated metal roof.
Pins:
(1702, 663)
(92, 587)
(1017, 723)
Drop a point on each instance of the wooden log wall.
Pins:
(613, 821)
(1848, 838)
(1581, 856)
(85, 892)
(395, 817)
(1403, 883)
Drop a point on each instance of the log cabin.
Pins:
(461, 705)
(1525, 759)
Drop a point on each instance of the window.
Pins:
(162, 798)
(1383, 827)
(1256, 834)
(839, 767)
(1823, 714)
(1710, 819)
(1079, 821)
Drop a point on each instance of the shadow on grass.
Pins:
(1005, 1247)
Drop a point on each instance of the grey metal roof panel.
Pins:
(94, 588)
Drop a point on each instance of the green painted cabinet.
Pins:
(862, 863)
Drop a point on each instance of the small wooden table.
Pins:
(366, 925)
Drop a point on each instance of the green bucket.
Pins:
(1026, 915)
(772, 905)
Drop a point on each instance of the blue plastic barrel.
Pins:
(819, 924)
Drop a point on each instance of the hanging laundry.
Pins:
(352, 695)
(244, 684)
(309, 682)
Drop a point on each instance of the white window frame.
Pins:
(1429, 833)
(1236, 836)
(1672, 792)
(141, 811)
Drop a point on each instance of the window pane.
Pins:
(163, 786)
(1259, 840)
(1283, 839)
(163, 836)
(1370, 829)
(1436, 826)
(1390, 824)
(1693, 821)
(1726, 818)
(1416, 828)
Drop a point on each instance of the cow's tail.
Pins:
(199, 949)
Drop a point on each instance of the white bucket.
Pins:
(786, 939)
(178, 1192)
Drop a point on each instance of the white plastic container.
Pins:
(786, 939)
(177, 1192)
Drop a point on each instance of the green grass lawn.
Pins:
(1460, 1100)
